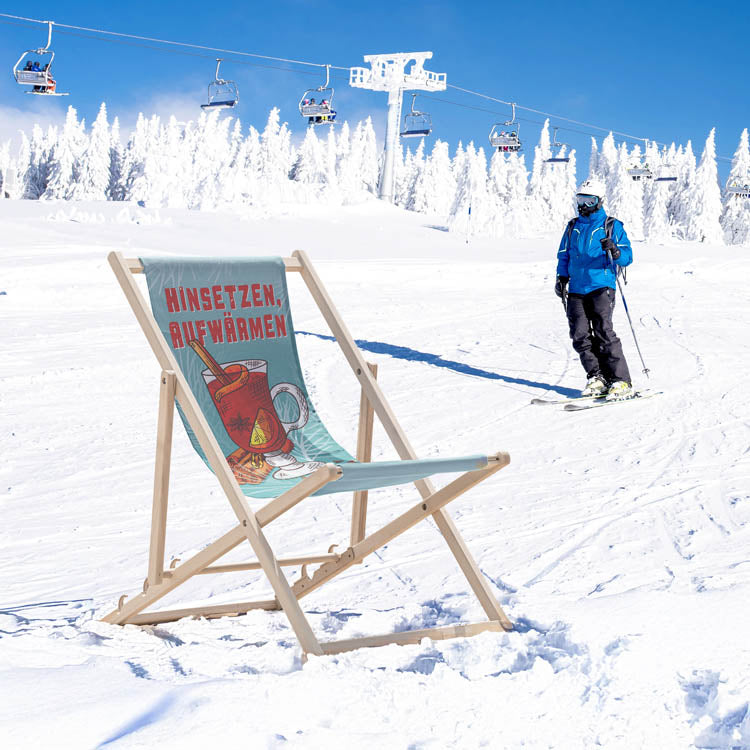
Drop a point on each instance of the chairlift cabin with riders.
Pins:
(503, 140)
(416, 124)
(741, 191)
(640, 172)
(34, 74)
(222, 94)
(557, 146)
(320, 112)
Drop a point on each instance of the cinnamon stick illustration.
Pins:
(216, 369)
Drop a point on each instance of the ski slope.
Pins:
(618, 540)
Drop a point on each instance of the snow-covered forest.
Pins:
(214, 163)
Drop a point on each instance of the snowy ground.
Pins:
(618, 540)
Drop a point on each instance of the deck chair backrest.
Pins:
(229, 325)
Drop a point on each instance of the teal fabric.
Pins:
(243, 368)
(360, 476)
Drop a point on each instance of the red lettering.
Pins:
(200, 327)
(280, 325)
(256, 295)
(173, 305)
(242, 330)
(206, 298)
(182, 299)
(256, 328)
(218, 304)
(216, 331)
(268, 323)
(268, 295)
(192, 298)
(230, 289)
(174, 332)
(188, 331)
(244, 288)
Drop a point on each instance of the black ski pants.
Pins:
(590, 321)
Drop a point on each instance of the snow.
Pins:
(617, 540)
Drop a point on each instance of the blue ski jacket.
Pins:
(582, 259)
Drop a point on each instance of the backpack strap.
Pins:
(609, 228)
(569, 233)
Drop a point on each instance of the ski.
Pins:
(558, 401)
(603, 402)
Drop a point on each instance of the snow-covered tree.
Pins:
(679, 203)
(310, 167)
(656, 227)
(705, 208)
(624, 195)
(435, 186)
(735, 218)
(92, 164)
(64, 157)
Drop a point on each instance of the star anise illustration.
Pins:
(240, 423)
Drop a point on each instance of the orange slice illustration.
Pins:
(263, 430)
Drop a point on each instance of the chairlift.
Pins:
(322, 111)
(640, 172)
(666, 174)
(41, 80)
(741, 191)
(506, 141)
(556, 145)
(221, 94)
(416, 124)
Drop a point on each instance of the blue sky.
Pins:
(662, 70)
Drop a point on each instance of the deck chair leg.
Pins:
(468, 565)
(396, 434)
(364, 454)
(428, 507)
(161, 477)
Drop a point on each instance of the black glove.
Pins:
(609, 247)
(560, 285)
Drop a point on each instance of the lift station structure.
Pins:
(389, 73)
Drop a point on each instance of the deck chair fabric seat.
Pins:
(232, 316)
(222, 333)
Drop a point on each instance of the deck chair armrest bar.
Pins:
(134, 265)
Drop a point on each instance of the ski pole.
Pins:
(627, 312)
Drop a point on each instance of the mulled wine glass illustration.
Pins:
(240, 392)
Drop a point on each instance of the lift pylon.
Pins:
(388, 72)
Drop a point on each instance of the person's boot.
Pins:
(595, 386)
(619, 391)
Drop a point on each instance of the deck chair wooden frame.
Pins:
(161, 581)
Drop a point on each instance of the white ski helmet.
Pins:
(592, 186)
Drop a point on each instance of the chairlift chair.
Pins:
(641, 172)
(506, 141)
(741, 191)
(221, 94)
(665, 173)
(41, 80)
(557, 145)
(319, 113)
(416, 124)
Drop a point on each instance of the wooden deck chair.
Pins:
(221, 330)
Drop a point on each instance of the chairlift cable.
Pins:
(121, 36)
(176, 44)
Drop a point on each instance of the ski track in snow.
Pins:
(617, 542)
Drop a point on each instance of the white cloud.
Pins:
(43, 113)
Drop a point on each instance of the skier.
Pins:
(585, 268)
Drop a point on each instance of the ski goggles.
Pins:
(589, 201)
